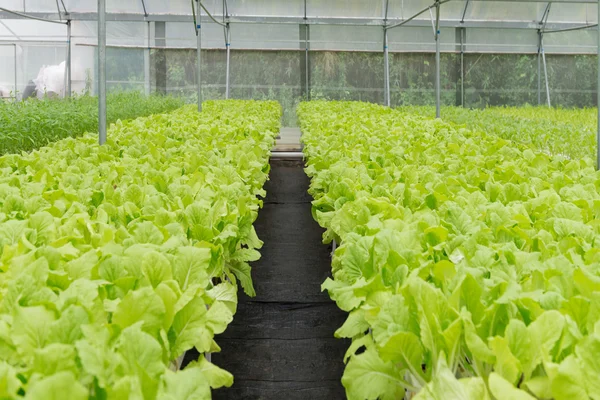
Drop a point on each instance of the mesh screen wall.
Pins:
(345, 62)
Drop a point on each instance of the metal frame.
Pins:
(228, 50)
(144, 8)
(147, 60)
(386, 60)
(67, 78)
(198, 22)
(128, 17)
(436, 35)
(541, 57)
(306, 52)
(14, 46)
(15, 67)
(199, 54)
(576, 28)
(5, 13)
(438, 87)
(463, 38)
(101, 71)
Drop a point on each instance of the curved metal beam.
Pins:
(144, 7)
(385, 15)
(59, 12)
(417, 14)
(10, 30)
(20, 14)
(210, 15)
(577, 28)
(544, 19)
(462, 20)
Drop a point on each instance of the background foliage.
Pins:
(33, 123)
(490, 79)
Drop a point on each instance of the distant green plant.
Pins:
(28, 125)
(568, 132)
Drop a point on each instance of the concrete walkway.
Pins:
(289, 140)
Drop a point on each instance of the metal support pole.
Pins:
(539, 70)
(15, 66)
(306, 53)
(307, 62)
(147, 61)
(199, 56)
(463, 33)
(102, 71)
(160, 58)
(65, 72)
(69, 62)
(228, 46)
(386, 55)
(598, 97)
(437, 62)
(542, 56)
(386, 61)
(546, 74)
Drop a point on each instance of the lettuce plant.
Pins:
(567, 132)
(117, 259)
(468, 264)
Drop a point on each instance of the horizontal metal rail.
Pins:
(402, 51)
(287, 155)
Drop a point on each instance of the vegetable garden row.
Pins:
(467, 253)
(468, 264)
(567, 133)
(117, 259)
(31, 124)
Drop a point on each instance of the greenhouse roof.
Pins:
(562, 14)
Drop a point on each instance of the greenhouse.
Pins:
(303, 199)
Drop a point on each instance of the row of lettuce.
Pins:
(569, 133)
(468, 263)
(117, 259)
(29, 125)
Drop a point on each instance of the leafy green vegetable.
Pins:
(116, 259)
(29, 125)
(566, 132)
(468, 263)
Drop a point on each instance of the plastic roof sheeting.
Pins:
(27, 30)
(267, 8)
(117, 33)
(504, 11)
(481, 10)
(576, 13)
(480, 37)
